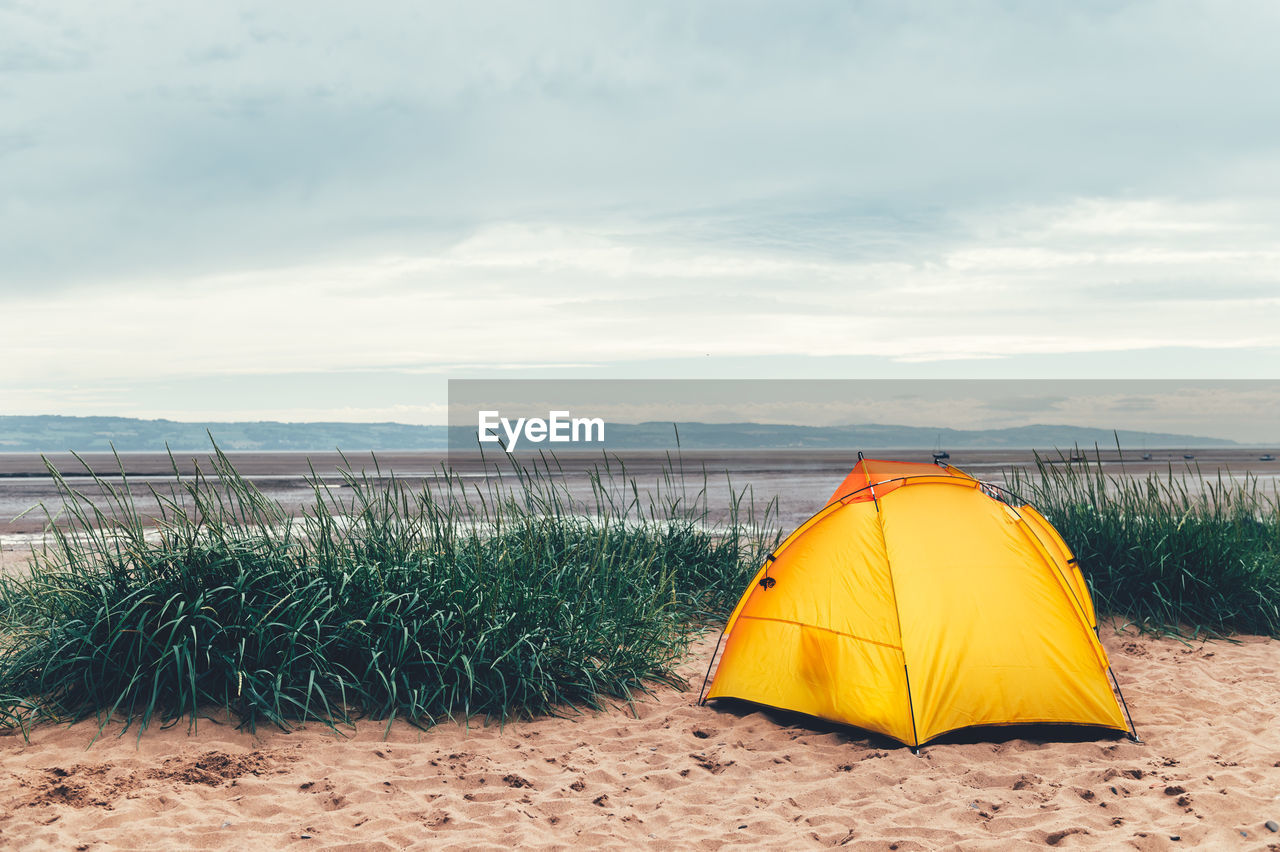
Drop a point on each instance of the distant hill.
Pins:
(875, 436)
(50, 433)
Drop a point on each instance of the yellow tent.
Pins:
(917, 602)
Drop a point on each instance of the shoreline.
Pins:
(800, 480)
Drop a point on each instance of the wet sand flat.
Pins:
(799, 480)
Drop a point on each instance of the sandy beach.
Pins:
(473, 364)
(668, 773)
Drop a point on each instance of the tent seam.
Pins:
(803, 626)
(897, 617)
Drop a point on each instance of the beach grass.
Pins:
(504, 596)
(444, 600)
(1177, 552)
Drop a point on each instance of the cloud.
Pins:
(528, 295)
(241, 135)
(249, 190)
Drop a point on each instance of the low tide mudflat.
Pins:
(799, 480)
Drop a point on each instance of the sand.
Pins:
(676, 775)
(13, 560)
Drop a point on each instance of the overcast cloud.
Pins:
(200, 207)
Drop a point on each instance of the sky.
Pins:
(302, 211)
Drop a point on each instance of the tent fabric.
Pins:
(932, 607)
(872, 478)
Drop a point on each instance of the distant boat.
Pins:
(1146, 456)
(1187, 456)
(1076, 459)
(1267, 457)
(939, 454)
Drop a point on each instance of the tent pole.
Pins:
(915, 749)
(702, 701)
(1133, 732)
(911, 710)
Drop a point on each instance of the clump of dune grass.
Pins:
(381, 600)
(1176, 551)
